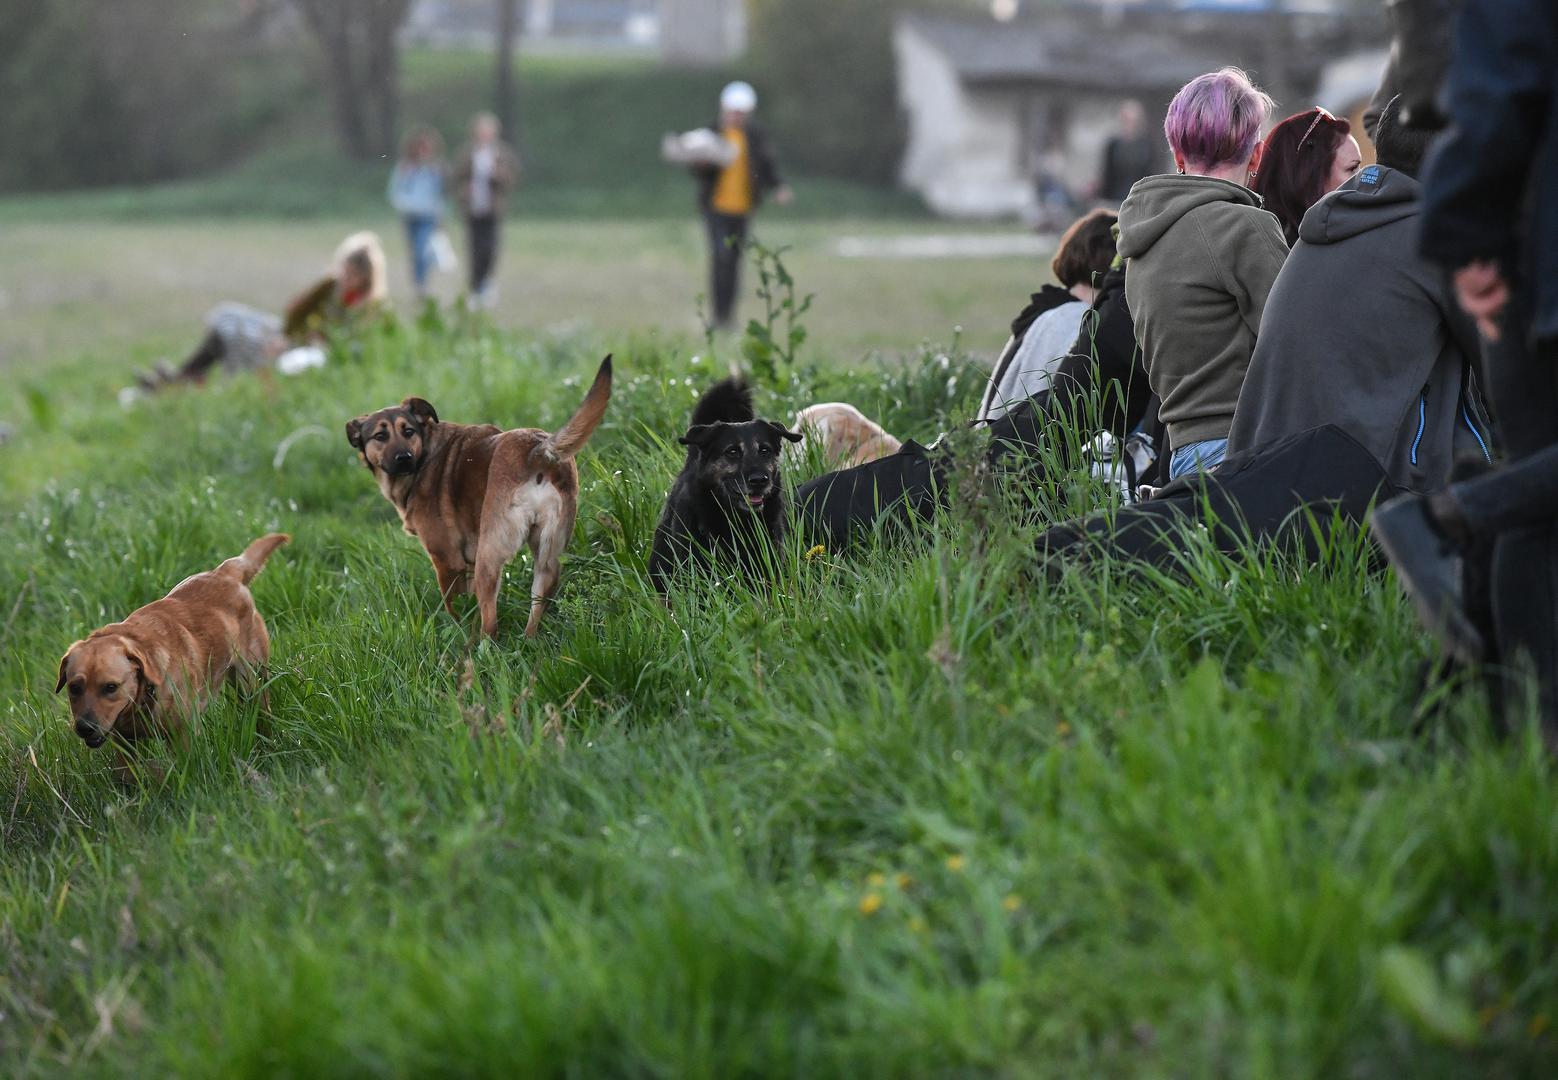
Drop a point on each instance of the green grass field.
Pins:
(912, 812)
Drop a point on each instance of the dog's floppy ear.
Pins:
(782, 431)
(149, 674)
(63, 661)
(698, 435)
(421, 409)
(354, 432)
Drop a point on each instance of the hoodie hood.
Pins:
(1156, 204)
(1377, 196)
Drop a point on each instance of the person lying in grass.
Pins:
(242, 338)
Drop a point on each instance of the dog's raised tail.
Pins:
(729, 400)
(252, 561)
(571, 437)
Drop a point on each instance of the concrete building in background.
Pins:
(997, 109)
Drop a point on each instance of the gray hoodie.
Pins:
(1201, 256)
(1362, 332)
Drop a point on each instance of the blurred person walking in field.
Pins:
(1129, 155)
(729, 194)
(485, 174)
(242, 338)
(416, 191)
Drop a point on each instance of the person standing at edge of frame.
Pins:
(485, 174)
(729, 195)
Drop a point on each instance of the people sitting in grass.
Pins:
(1042, 334)
(242, 338)
(1362, 384)
(1093, 383)
(1385, 354)
(1201, 256)
(1304, 157)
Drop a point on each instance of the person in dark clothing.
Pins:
(1099, 386)
(1361, 385)
(1362, 332)
(729, 194)
(1492, 217)
(1128, 156)
(485, 174)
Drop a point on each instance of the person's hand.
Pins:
(783, 195)
(1483, 293)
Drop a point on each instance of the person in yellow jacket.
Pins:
(729, 195)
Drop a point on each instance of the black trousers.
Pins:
(206, 354)
(483, 232)
(727, 242)
(1515, 508)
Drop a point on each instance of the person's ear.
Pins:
(1255, 157)
(1179, 163)
(782, 431)
(354, 432)
(421, 409)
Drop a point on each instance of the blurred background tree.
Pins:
(124, 92)
(359, 40)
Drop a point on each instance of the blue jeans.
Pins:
(1197, 456)
(419, 235)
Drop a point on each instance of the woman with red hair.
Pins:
(1306, 156)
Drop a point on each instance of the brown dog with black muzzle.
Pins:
(473, 494)
(151, 673)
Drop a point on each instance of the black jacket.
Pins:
(1492, 184)
(760, 161)
(1363, 333)
(1104, 361)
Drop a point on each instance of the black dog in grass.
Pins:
(727, 503)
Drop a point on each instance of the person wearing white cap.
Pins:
(729, 194)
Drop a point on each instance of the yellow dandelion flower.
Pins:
(816, 553)
(955, 863)
(1537, 1025)
(918, 925)
(1062, 729)
(1012, 902)
(876, 880)
(870, 903)
(903, 881)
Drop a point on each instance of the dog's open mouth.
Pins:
(756, 500)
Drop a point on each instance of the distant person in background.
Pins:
(242, 338)
(484, 175)
(416, 191)
(728, 196)
(1306, 156)
(1129, 155)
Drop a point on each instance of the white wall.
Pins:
(965, 150)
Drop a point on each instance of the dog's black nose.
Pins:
(757, 481)
(86, 729)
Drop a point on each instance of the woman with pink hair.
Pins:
(1201, 256)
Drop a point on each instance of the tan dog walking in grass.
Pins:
(473, 493)
(153, 672)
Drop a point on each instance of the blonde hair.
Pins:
(364, 250)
